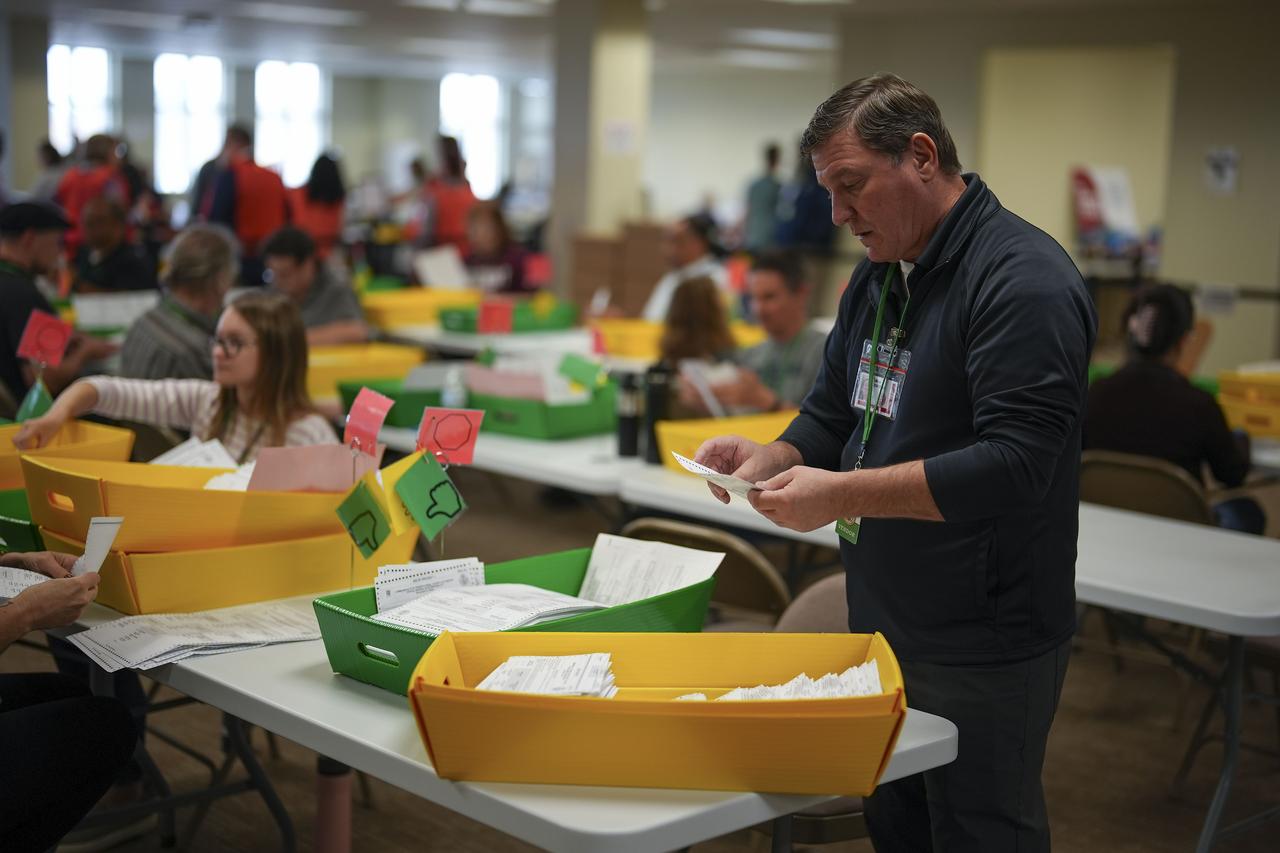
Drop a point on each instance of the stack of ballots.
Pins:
(554, 675)
(143, 642)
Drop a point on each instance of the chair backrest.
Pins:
(820, 609)
(745, 581)
(1142, 484)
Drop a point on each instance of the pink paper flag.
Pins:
(368, 411)
(450, 434)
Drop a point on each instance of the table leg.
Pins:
(781, 835)
(333, 807)
(1231, 700)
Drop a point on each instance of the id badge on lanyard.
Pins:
(891, 373)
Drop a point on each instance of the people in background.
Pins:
(52, 167)
(171, 341)
(494, 261)
(689, 251)
(804, 213)
(63, 746)
(776, 373)
(449, 197)
(318, 207)
(696, 326)
(105, 261)
(98, 174)
(330, 310)
(30, 240)
(234, 191)
(761, 218)
(258, 396)
(1148, 408)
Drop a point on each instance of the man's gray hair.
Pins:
(885, 111)
(202, 258)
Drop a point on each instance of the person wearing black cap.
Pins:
(30, 242)
(689, 250)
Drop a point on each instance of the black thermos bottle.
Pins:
(628, 415)
(657, 397)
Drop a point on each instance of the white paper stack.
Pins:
(860, 680)
(397, 585)
(195, 453)
(143, 642)
(554, 675)
(623, 570)
(232, 481)
(496, 607)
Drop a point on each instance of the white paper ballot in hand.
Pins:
(732, 485)
(102, 532)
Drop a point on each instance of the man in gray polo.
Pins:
(943, 437)
(330, 310)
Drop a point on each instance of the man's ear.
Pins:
(923, 154)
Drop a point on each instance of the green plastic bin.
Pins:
(536, 419)
(385, 655)
(407, 411)
(17, 531)
(523, 318)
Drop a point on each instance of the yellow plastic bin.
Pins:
(643, 738)
(627, 338)
(330, 365)
(207, 578)
(166, 507)
(76, 440)
(414, 306)
(1251, 402)
(685, 437)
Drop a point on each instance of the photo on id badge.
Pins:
(891, 373)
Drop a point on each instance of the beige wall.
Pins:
(709, 127)
(1223, 95)
(1044, 111)
(28, 98)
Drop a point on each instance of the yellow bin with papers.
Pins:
(166, 507)
(1251, 402)
(76, 440)
(685, 437)
(414, 306)
(643, 738)
(208, 578)
(327, 366)
(627, 338)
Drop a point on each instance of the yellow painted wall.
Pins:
(1045, 110)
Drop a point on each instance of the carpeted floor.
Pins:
(1111, 757)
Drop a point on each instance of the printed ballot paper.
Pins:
(860, 680)
(554, 675)
(623, 570)
(194, 453)
(396, 585)
(732, 485)
(143, 642)
(496, 607)
(102, 532)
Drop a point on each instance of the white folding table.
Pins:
(290, 690)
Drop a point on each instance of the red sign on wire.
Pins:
(450, 434)
(45, 339)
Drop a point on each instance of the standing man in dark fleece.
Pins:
(955, 492)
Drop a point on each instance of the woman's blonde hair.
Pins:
(696, 325)
(280, 390)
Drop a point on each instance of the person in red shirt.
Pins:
(318, 207)
(450, 197)
(235, 191)
(97, 175)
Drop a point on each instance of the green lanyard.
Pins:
(873, 399)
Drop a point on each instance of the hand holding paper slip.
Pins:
(731, 484)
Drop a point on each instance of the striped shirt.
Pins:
(169, 342)
(190, 404)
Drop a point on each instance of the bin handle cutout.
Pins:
(382, 656)
(61, 502)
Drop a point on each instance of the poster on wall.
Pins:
(1222, 169)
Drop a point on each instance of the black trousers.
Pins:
(60, 749)
(989, 800)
